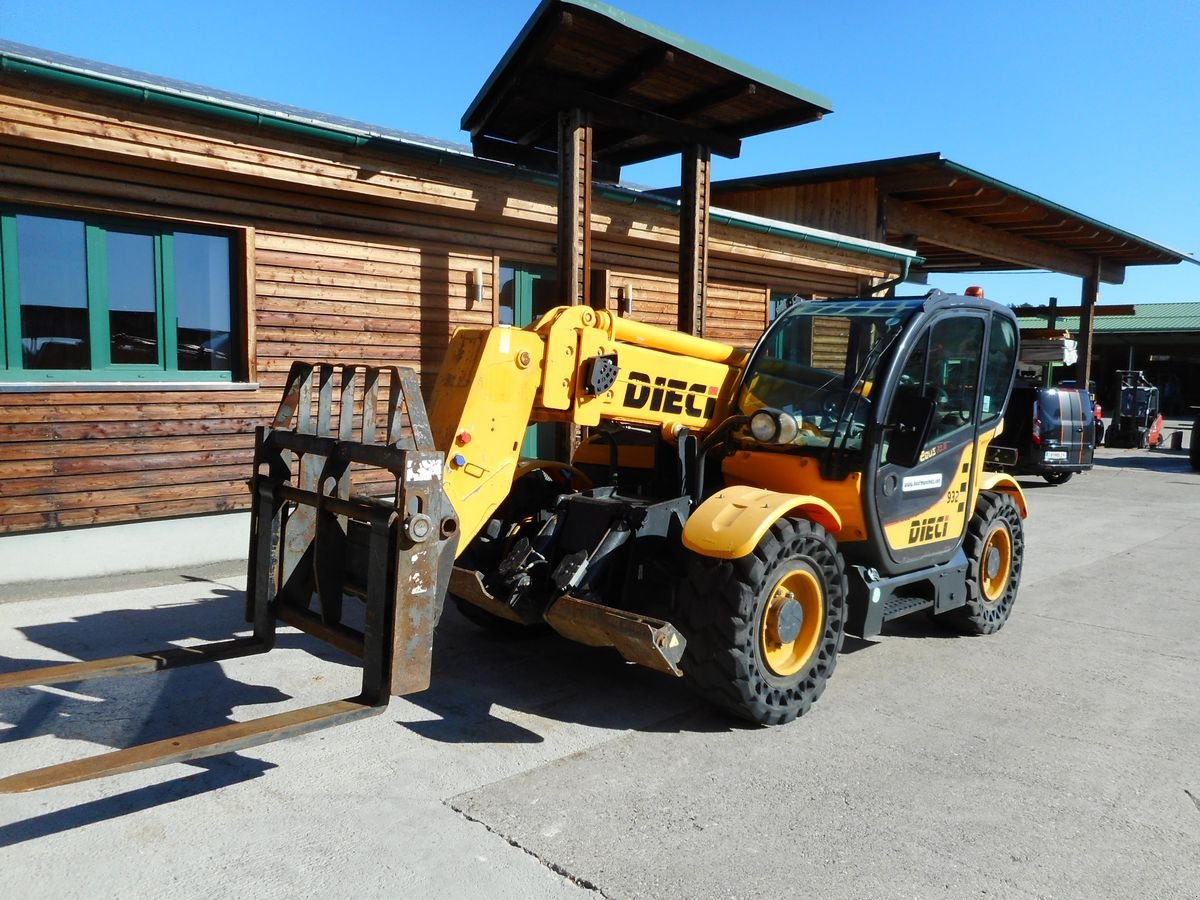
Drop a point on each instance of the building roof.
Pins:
(649, 91)
(963, 220)
(1147, 318)
(252, 113)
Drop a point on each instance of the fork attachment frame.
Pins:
(347, 498)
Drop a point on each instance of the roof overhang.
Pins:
(649, 92)
(960, 220)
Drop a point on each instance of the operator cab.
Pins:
(893, 399)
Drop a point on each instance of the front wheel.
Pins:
(995, 548)
(764, 631)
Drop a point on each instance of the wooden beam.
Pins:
(696, 181)
(1040, 312)
(708, 99)
(916, 181)
(636, 71)
(634, 119)
(959, 234)
(531, 157)
(575, 206)
(1089, 297)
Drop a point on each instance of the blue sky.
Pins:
(1093, 104)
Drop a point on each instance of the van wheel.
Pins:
(764, 631)
(1058, 477)
(995, 548)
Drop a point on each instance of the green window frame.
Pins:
(162, 358)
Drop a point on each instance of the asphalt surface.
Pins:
(1058, 758)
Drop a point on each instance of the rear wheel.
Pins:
(995, 548)
(1058, 477)
(764, 631)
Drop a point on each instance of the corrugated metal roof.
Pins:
(1148, 318)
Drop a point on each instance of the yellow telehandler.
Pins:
(718, 514)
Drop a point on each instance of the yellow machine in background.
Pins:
(727, 517)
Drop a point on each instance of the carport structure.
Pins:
(587, 88)
(958, 220)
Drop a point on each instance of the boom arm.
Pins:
(576, 365)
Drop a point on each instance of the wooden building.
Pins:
(167, 250)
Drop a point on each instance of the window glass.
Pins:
(1001, 358)
(132, 298)
(93, 298)
(507, 296)
(53, 293)
(202, 307)
(952, 372)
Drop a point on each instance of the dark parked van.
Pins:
(1052, 431)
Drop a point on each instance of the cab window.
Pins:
(945, 367)
(1001, 360)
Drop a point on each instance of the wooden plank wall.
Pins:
(352, 256)
(845, 207)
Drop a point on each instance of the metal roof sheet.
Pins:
(1148, 318)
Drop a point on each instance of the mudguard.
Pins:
(730, 523)
(1005, 484)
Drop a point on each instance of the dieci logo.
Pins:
(670, 396)
(931, 529)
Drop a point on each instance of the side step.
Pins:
(314, 537)
(875, 599)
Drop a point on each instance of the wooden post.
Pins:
(575, 206)
(696, 177)
(1089, 297)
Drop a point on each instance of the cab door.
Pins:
(921, 512)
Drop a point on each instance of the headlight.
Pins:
(771, 426)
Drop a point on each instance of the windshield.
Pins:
(819, 362)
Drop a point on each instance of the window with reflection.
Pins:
(94, 298)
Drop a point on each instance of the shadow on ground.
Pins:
(485, 689)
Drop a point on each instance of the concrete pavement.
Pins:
(1055, 759)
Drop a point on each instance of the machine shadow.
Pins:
(547, 677)
(136, 709)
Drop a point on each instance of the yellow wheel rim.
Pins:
(996, 563)
(792, 622)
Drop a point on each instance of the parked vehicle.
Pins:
(1052, 432)
(1194, 447)
(1137, 421)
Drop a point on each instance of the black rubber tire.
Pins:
(722, 617)
(981, 614)
(1057, 477)
(1194, 446)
